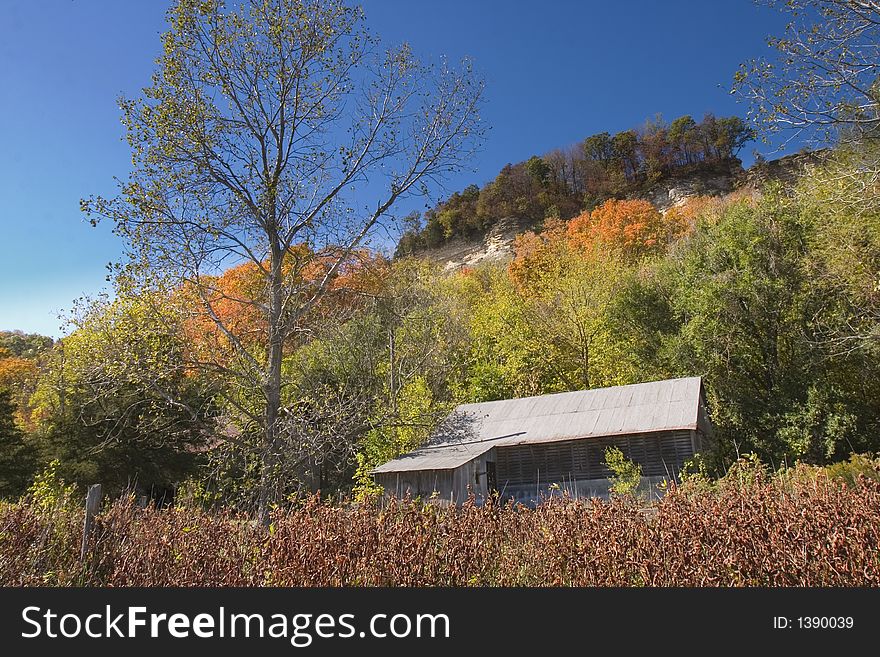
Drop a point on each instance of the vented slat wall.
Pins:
(660, 455)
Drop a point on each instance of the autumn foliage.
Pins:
(237, 298)
(634, 226)
(707, 209)
(16, 372)
(564, 181)
(630, 228)
(18, 376)
(539, 256)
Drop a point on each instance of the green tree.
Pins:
(412, 238)
(742, 296)
(732, 134)
(505, 359)
(25, 345)
(682, 133)
(625, 145)
(840, 201)
(117, 404)
(740, 302)
(17, 456)
(598, 147)
(538, 169)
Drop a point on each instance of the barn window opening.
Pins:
(491, 477)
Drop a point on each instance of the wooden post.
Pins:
(93, 503)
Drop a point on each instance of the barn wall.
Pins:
(418, 483)
(528, 472)
(471, 478)
(531, 471)
(454, 485)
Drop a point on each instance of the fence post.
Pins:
(93, 503)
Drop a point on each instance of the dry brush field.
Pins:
(808, 531)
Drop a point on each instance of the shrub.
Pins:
(627, 475)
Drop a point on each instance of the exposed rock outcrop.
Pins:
(786, 169)
(497, 245)
(675, 193)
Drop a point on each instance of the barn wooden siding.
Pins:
(452, 485)
(527, 472)
(658, 454)
(417, 483)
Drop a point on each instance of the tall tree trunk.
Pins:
(271, 466)
(585, 365)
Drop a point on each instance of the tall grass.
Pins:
(752, 531)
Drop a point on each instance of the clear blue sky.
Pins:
(556, 72)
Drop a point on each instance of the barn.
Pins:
(530, 447)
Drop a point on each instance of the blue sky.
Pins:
(556, 71)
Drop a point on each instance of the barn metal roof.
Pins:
(473, 429)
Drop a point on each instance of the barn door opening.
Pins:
(491, 478)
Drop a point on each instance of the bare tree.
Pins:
(264, 131)
(824, 77)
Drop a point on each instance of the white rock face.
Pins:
(675, 193)
(497, 246)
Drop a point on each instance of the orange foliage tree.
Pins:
(15, 372)
(631, 228)
(634, 226)
(539, 256)
(238, 298)
(18, 376)
(706, 208)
